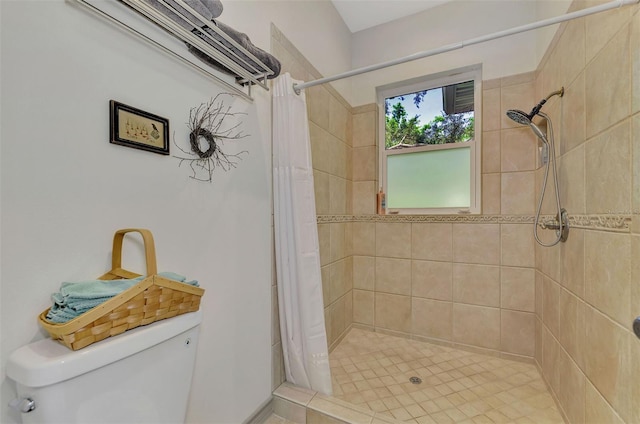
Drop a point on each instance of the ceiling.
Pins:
(363, 14)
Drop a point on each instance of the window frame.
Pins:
(428, 82)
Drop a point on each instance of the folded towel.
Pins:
(207, 9)
(95, 289)
(272, 63)
(76, 304)
(74, 299)
(60, 316)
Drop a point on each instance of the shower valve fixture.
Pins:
(561, 223)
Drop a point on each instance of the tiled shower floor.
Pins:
(372, 370)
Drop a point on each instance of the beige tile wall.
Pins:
(466, 283)
(332, 161)
(365, 159)
(587, 289)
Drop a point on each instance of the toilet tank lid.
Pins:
(47, 362)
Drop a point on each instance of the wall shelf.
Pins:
(154, 27)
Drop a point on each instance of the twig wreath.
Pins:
(207, 134)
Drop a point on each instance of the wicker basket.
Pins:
(153, 299)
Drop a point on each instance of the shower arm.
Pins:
(555, 93)
(536, 109)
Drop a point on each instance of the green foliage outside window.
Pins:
(405, 131)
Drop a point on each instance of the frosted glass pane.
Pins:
(431, 179)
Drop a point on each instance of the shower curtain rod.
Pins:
(477, 40)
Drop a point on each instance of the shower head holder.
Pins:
(527, 118)
(537, 107)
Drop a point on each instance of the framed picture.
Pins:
(138, 129)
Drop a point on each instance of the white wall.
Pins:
(544, 10)
(443, 25)
(313, 26)
(65, 189)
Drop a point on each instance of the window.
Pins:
(430, 143)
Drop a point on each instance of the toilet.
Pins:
(140, 376)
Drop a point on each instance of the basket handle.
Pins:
(149, 249)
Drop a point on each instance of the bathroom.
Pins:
(64, 193)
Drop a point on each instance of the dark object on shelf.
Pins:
(199, 19)
(249, 64)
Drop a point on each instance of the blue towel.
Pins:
(96, 289)
(74, 299)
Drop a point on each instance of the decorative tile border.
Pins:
(482, 219)
(619, 223)
(485, 219)
(331, 219)
(605, 222)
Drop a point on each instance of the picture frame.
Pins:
(138, 129)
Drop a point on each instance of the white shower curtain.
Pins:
(304, 340)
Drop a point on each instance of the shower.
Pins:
(561, 223)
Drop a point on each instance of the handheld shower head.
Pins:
(519, 116)
(522, 118)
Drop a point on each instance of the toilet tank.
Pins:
(141, 376)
